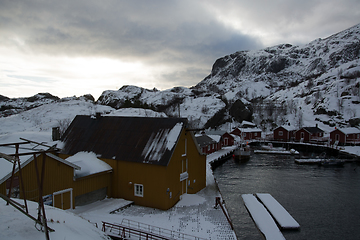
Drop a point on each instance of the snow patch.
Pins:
(173, 135)
(89, 164)
(161, 141)
(190, 200)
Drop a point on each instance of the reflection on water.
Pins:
(325, 201)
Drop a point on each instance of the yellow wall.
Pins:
(158, 179)
(58, 176)
(92, 182)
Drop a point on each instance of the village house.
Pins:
(226, 139)
(247, 133)
(207, 144)
(309, 134)
(345, 136)
(154, 160)
(284, 133)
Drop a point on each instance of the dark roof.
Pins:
(204, 140)
(313, 129)
(134, 139)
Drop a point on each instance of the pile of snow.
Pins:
(89, 164)
(190, 200)
(15, 225)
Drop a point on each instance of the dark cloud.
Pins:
(186, 36)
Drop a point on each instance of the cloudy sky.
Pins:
(76, 47)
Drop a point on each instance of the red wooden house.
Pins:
(207, 144)
(228, 139)
(308, 134)
(247, 133)
(345, 136)
(284, 133)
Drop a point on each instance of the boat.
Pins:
(242, 153)
(321, 160)
(331, 163)
(269, 149)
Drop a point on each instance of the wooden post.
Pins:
(21, 179)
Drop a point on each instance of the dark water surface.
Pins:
(325, 201)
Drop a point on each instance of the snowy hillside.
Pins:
(317, 83)
(319, 80)
(37, 123)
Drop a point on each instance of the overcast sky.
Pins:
(76, 47)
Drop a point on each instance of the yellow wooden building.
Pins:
(61, 184)
(154, 160)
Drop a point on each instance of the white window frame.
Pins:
(139, 190)
(281, 133)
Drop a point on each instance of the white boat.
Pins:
(269, 149)
(242, 154)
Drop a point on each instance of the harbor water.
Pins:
(325, 201)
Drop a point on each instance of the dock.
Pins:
(262, 218)
(279, 213)
(308, 160)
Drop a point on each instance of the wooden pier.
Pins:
(268, 214)
(279, 213)
(262, 218)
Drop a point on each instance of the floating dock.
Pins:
(262, 218)
(308, 160)
(279, 213)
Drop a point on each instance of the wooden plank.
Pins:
(279, 213)
(262, 218)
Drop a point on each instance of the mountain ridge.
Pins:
(284, 84)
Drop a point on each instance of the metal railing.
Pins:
(169, 234)
(127, 232)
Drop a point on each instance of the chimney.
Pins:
(98, 115)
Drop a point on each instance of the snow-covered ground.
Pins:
(15, 225)
(194, 214)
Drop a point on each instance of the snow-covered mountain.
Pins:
(317, 83)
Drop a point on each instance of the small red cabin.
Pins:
(248, 133)
(308, 134)
(345, 136)
(284, 133)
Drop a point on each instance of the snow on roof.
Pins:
(5, 169)
(89, 164)
(243, 123)
(154, 150)
(215, 137)
(251, 130)
(349, 130)
(288, 128)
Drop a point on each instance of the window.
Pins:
(139, 190)
(281, 133)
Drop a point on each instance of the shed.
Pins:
(154, 160)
